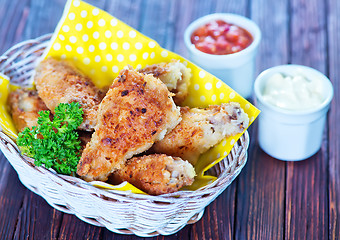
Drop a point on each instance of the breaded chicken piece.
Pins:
(60, 82)
(174, 74)
(157, 173)
(201, 129)
(137, 111)
(24, 106)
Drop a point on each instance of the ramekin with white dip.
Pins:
(294, 101)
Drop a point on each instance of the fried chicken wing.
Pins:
(24, 106)
(174, 74)
(157, 173)
(201, 129)
(137, 111)
(60, 82)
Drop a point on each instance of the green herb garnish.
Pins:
(54, 143)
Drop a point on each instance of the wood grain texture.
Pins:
(36, 219)
(188, 11)
(13, 16)
(128, 11)
(11, 198)
(333, 23)
(39, 20)
(260, 197)
(308, 34)
(154, 20)
(306, 199)
(306, 196)
(217, 224)
(261, 191)
(273, 20)
(73, 229)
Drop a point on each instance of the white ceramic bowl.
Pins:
(236, 69)
(289, 134)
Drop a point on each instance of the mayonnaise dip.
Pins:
(293, 92)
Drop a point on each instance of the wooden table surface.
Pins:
(270, 199)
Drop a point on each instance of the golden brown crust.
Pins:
(175, 75)
(24, 106)
(136, 111)
(156, 70)
(60, 82)
(157, 173)
(201, 129)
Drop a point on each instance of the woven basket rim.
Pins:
(81, 183)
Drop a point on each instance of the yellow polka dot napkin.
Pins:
(100, 46)
(6, 122)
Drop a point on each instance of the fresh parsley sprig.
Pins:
(54, 143)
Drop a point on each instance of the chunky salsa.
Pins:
(221, 38)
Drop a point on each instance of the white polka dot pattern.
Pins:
(95, 35)
(164, 53)
(89, 24)
(83, 14)
(79, 27)
(138, 46)
(120, 58)
(132, 57)
(97, 58)
(208, 86)
(86, 61)
(120, 34)
(113, 22)
(132, 34)
(115, 69)
(95, 11)
(91, 48)
(76, 3)
(109, 57)
(101, 22)
(108, 33)
(73, 39)
(114, 46)
(104, 68)
(6, 123)
(71, 16)
(202, 74)
(66, 28)
(56, 46)
(80, 50)
(85, 37)
(102, 46)
(126, 46)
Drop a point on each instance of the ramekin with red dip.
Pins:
(225, 45)
(220, 38)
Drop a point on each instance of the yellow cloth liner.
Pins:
(100, 46)
(6, 122)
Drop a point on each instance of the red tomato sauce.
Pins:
(221, 38)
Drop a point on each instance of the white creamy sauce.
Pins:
(293, 92)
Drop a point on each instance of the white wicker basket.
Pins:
(119, 211)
